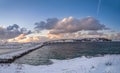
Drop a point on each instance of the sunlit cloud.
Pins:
(23, 38)
(69, 25)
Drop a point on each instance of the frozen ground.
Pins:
(18, 52)
(105, 64)
(12, 47)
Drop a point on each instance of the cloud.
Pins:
(70, 25)
(52, 36)
(13, 27)
(49, 24)
(25, 38)
(56, 29)
(95, 33)
(118, 36)
(12, 31)
(115, 36)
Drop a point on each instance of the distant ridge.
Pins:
(79, 40)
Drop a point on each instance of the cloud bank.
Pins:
(55, 28)
(25, 38)
(70, 25)
(12, 31)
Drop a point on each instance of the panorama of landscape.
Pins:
(59, 36)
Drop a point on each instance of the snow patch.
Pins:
(76, 65)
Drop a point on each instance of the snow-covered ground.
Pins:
(105, 64)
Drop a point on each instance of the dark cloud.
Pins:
(49, 24)
(25, 31)
(13, 27)
(12, 31)
(70, 25)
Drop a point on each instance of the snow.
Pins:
(18, 52)
(103, 64)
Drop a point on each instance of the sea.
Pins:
(69, 50)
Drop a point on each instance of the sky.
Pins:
(28, 13)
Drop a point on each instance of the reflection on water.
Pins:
(69, 50)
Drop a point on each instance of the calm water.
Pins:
(69, 50)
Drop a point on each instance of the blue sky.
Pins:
(27, 12)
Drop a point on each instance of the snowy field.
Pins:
(105, 64)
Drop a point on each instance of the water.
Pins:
(69, 50)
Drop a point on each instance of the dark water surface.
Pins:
(69, 50)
